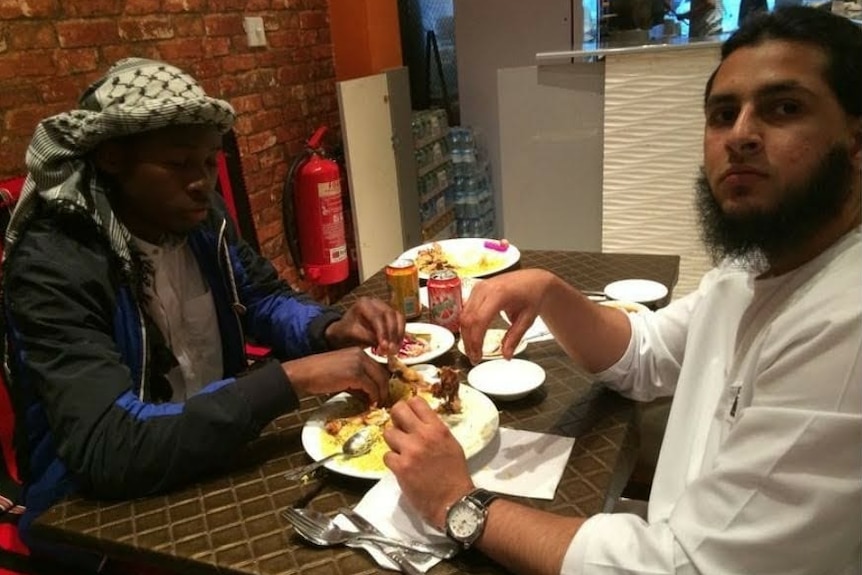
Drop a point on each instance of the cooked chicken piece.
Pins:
(447, 389)
(372, 416)
(404, 384)
(399, 390)
(432, 259)
(404, 373)
(333, 426)
(377, 416)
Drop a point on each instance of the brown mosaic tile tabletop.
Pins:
(231, 522)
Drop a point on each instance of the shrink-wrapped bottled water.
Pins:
(474, 203)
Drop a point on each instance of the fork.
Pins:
(539, 335)
(595, 295)
(399, 556)
(321, 530)
(364, 525)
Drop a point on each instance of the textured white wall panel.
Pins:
(652, 151)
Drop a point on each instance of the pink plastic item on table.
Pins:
(500, 246)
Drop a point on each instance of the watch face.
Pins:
(464, 520)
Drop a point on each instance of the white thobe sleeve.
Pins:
(651, 364)
(784, 493)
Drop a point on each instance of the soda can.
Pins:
(402, 279)
(444, 299)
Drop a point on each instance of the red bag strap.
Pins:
(10, 191)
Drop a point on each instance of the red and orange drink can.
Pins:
(402, 279)
(444, 299)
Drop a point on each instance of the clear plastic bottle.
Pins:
(455, 148)
(417, 127)
(468, 152)
(468, 140)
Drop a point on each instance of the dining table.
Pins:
(231, 522)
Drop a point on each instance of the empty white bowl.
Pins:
(506, 379)
(637, 290)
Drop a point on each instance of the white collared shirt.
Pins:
(181, 305)
(760, 470)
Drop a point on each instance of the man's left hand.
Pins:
(371, 322)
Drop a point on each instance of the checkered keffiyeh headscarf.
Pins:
(136, 95)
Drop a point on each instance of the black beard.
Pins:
(756, 238)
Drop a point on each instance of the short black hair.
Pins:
(838, 37)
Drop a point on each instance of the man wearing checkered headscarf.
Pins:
(135, 96)
(128, 297)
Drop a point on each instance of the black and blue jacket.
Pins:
(87, 367)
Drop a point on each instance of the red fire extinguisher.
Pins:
(313, 215)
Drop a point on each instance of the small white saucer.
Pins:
(637, 290)
(491, 345)
(506, 379)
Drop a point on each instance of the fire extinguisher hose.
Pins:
(288, 212)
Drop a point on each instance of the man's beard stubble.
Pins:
(755, 238)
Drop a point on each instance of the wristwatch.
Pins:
(465, 519)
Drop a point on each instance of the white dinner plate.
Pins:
(507, 379)
(637, 290)
(442, 341)
(467, 285)
(469, 257)
(474, 428)
(491, 345)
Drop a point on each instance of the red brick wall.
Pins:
(50, 50)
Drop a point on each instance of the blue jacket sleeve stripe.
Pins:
(143, 411)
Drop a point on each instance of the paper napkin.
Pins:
(522, 463)
(519, 463)
(385, 507)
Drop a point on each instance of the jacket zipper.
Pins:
(236, 305)
(144, 358)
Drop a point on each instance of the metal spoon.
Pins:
(357, 444)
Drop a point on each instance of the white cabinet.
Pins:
(381, 168)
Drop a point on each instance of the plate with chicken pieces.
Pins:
(468, 257)
(469, 413)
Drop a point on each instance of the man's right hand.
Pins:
(518, 293)
(420, 441)
(349, 369)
